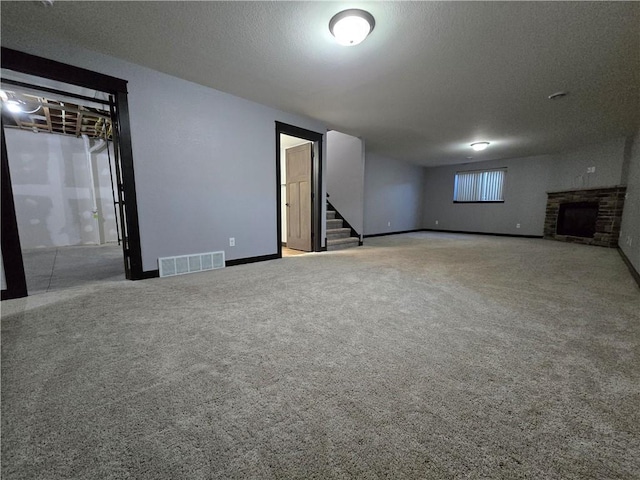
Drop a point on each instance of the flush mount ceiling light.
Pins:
(558, 95)
(478, 146)
(350, 27)
(14, 106)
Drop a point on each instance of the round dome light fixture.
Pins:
(14, 106)
(351, 27)
(558, 95)
(479, 146)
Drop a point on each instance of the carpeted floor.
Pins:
(422, 356)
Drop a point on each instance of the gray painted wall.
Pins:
(345, 177)
(526, 184)
(51, 188)
(570, 168)
(204, 160)
(524, 199)
(392, 195)
(630, 230)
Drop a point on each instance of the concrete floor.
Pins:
(56, 268)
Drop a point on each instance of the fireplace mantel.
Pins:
(610, 201)
(578, 190)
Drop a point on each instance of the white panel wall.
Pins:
(392, 195)
(204, 160)
(345, 177)
(52, 190)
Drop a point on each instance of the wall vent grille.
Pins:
(170, 266)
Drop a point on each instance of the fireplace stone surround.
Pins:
(610, 201)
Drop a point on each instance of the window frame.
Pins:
(483, 170)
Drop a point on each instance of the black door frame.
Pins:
(316, 183)
(13, 265)
(62, 72)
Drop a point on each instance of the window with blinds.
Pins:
(479, 186)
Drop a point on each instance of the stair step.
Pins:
(335, 223)
(331, 214)
(338, 233)
(342, 243)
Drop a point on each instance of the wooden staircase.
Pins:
(338, 235)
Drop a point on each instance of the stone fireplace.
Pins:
(590, 216)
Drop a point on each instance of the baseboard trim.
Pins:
(632, 269)
(149, 274)
(482, 233)
(392, 233)
(242, 261)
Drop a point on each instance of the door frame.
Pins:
(13, 265)
(316, 183)
(42, 67)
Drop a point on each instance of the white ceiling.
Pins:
(432, 77)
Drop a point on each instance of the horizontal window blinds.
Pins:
(479, 186)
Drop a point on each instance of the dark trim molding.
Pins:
(316, 181)
(262, 258)
(27, 63)
(149, 274)
(632, 269)
(483, 233)
(62, 72)
(11, 252)
(393, 233)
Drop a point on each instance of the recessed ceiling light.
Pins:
(351, 27)
(478, 146)
(558, 95)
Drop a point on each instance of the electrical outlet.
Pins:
(436, 222)
(232, 241)
(517, 225)
(388, 224)
(591, 169)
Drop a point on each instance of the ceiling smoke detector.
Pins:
(351, 27)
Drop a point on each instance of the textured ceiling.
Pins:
(432, 77)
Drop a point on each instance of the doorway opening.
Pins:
(61, 155)
(84, 113)
(299, 187)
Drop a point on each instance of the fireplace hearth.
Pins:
(589, 216)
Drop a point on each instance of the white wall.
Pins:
(630, 229)
(52, 190)
(345, 177)
(525, 192)
(392, 195)
(204, 160)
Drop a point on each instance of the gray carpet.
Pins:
(423, 356)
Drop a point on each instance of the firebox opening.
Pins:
(577, 219)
